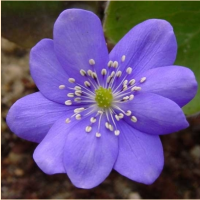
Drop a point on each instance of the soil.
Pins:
(21, 178)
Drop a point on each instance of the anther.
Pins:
(88, 129)
(68, 102)
(143, 79)
(119, 73)
(87, 84)
(89, 72)
(92, 120)
(77, 99)
(117, 132)
(131, 97)
(125, 98)
(78, 93)
(125, 82)
(70, 94)
(128, 113)
(125, 87)
(77, 88)
(112, 74)
(136, 88)
(117, 117)
(71, 80)
(110, 63)
(121, 115)
(115, 64)
(91, 62)
(133, 119)
(100, 112)
(110, 127)
(78, 116)
(109, 79)
(82, 72)
(132, 81)
(98, 134)
(61, 87)
(77, 110)
(67, 120)
(123, 58)
(94, 75)
(103, 72)
(129, 70)
(107, 125)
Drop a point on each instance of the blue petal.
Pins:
(140, 155)
(88, 159)
(32, 116)
(174, 82)
(149, 44)
(155, 114)
(47, 72)
(78, 37)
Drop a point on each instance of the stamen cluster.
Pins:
(103, 99)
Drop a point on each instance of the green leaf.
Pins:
(121, 16)
(27, 22)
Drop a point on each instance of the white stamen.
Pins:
(119, 73)
(107, 125)
(89, 72)
(87, 84)
(88, 129)
(77, 110)
(91, 62)
(136, 88)
(128, 113)
(115, 64)
(125, 82)
(98, 134)
(77, 88)
(100, 112)
(103, 72)
(117, 132)
(126, 98)
(78, 116)
(70, 94)
(112, 74)
(61, 87)
(121, 115)
(117, 117)
(68, 102)
(110, 127)
(110, 63)
(78, 93)
(94, 75)
(132, 81)
(133, 119)
(93, 120)
(67, 120)
(129, 70)
(143, 79)
(71, 80)
(131, 97)
(82, 72)
(77, 99)
(125, 87)
(123, 58)
(109, 79)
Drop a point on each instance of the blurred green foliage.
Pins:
(121, 16)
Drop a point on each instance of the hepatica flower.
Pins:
(95, 111)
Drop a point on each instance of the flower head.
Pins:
(97, 111)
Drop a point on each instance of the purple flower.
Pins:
(97, 111)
